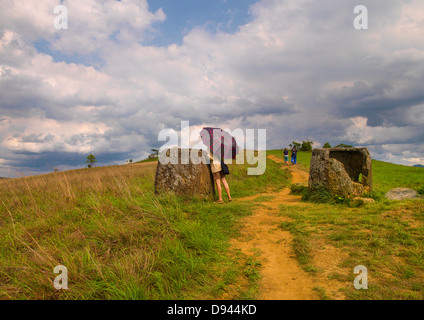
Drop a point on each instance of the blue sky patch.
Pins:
(184, 15)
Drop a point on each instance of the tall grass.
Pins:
(118, 239)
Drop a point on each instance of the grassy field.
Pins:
(388, 176)
(117, 239)
(386, 237)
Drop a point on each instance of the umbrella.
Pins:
(219, 142)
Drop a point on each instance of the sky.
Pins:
(123, 71)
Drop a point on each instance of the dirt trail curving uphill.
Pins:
(281, 276)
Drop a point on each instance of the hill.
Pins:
(153, 159)
(388, 176)
(419, 166)
(119, 240)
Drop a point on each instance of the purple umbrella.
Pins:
(219, 142)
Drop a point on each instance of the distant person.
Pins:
(286, 156)
(219, 176)
(294, 155)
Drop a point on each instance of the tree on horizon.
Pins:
(91, 160)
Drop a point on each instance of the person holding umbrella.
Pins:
(219, 149)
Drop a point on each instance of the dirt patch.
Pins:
(281, 276)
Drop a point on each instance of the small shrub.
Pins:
(298, 189)
(341, 200)
(421, 190)
(318, 194)
(342, 145)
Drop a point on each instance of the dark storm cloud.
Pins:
(377, 102)
(298, 69)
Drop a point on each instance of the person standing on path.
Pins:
(219, 176)
(294, 155)
(286, 156)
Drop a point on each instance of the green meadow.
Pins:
(118, 240)
(387, 237)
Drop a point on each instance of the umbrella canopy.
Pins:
(219, 142)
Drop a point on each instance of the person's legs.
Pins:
(217, 178)
(295, 159)
(227, 187)
(219, 189)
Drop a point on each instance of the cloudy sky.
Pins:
(124, 70)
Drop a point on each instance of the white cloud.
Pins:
(48, 135)
(298, 69)
(406, 154)
(414, 161)
(361, 133)
(32, 19)
(92, 24)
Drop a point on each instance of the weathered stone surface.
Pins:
(343, 171)
(184, 176)
(402, 194)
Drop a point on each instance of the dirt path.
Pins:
(281, 277)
